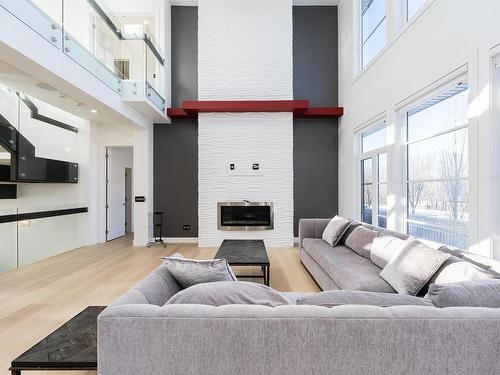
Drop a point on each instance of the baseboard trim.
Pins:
(180, 239)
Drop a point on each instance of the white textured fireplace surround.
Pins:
(245, 53)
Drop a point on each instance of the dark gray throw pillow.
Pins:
(474, 293)
(189, 272)
(333, 298)
(229, 293)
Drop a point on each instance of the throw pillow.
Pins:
(457, 270)
(350, 228)
(360, 241)
(383, 248)
(474, 293)
(190, 272)
(229, 293)
(333, 298)
(335, 229)
(410, 269)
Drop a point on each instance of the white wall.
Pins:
(444, 36)
(143, 185)
(245, 52)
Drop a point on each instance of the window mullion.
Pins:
(375, 190)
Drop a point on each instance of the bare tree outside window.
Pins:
(453, 165)
(438, 170)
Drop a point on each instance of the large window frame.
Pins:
(404, 116)
(377, 182)
(364, 6)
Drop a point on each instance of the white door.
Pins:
(115, 195)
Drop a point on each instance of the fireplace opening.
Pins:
(245, 216)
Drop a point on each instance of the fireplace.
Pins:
(245, 215)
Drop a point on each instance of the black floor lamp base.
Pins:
(158, 224)
(149, 244)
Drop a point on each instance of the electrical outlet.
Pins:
(186, 227)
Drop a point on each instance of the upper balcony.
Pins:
(119, 50)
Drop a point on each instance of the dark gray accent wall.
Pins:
(184, 54)
(315, 77)
(176, 145)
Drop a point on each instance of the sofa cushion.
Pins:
(333, 298)
(189, 272)
(335, 229)
(410, 269)
(474, 293)
(456, 270)
(383, 248)
(346, 268)
(230, 293)
(154, 289)
(360, 240)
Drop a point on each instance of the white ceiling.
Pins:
(295, 2)
(27, 84)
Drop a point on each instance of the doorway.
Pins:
(119, 217)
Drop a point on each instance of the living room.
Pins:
(235, 186)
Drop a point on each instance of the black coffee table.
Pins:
(246, 253)
(73, 346)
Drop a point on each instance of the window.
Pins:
(412, 6)
(437, 185)
(373, 29)
(367, 191)
(374, 138)
(382, 190)
(374, 175)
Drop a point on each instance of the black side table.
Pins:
(246, 253)
(71, 347)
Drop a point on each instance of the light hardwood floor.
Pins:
(38, 298)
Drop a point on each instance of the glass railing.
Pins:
(94, 37)
(30, 235)
(35, 14)
(40, 238)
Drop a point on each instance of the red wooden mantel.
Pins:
(300, 108)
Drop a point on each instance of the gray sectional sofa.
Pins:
(138, 334)
(342, 268)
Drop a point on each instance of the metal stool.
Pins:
(157, 229)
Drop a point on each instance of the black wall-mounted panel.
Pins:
(29, 168)
(41, 214)
(7, 135)
(5, 173)
(46, 170)
(8, 191)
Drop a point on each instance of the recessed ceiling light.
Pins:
(93, 110)
(45, 86)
